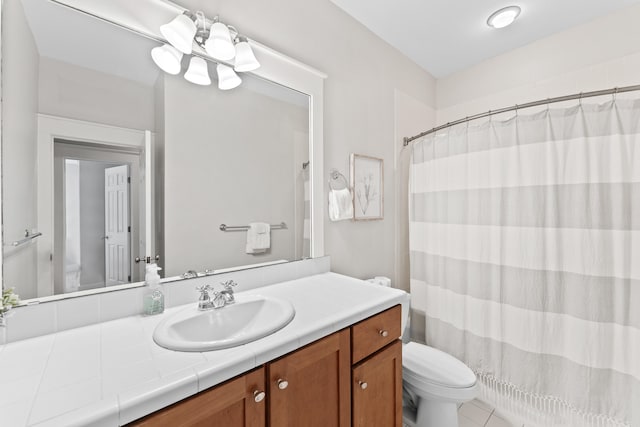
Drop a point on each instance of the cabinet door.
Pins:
(377, 389)
(236, 403)
(311, 387)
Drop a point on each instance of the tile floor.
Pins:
(478, 414)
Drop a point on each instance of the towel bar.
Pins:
(225, 227)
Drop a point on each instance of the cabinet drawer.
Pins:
(372, 334)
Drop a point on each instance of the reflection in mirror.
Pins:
(112, 159)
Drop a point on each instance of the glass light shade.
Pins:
(503, 17)
(227, 78)
(198, 72)
(180, 33)
(219, 44)
(168, 58)
(245, 59)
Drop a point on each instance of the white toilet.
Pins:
(434, 383)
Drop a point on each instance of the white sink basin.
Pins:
(251, 317)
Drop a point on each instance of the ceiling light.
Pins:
(503, 17)
(198, 72)
(245, 59)
(227, 78)
(211, 36)
(168, 58)
(219, 44)
(180, 33)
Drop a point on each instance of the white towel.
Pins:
(258, 238)
(340, 205)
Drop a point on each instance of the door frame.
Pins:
(109, 155)
(51, 128)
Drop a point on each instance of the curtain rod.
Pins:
(516, 107)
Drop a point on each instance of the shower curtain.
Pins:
(525, 248)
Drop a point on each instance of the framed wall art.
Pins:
(367, 183)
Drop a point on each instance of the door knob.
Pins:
(259, 396)
(363, 385)
(282, 384)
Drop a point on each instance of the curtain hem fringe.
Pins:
(542, 410)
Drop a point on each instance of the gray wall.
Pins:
(19, 137)
(229, 158)
(80, 93)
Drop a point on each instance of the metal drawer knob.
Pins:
(259, 396)
(282, 384)
(363, 385)
(383, 333)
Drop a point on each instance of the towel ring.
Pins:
(337, 181)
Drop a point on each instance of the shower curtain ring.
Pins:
(580, 99)
(615, 94)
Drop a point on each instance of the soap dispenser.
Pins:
(153, 298)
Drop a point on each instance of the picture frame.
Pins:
(367, 186)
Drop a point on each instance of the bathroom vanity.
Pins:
(338, 362)
(354, 374)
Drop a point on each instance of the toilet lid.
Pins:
(435, 366)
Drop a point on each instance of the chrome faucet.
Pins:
(204, 301)
(219, 299)
(227, 293)
(189, 274)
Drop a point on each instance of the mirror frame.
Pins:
(275, 67)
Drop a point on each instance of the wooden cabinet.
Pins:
(377, 371)
(373, 333)
(236, 403)
(377, 389)
(350, 378)
(311, 387)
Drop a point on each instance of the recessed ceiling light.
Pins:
(503, 17)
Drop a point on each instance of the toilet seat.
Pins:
(434, 374)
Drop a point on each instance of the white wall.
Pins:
(229, 158)
(364, 73)
(20, 105)
(601, 54)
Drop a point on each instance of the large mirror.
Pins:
(107, 159)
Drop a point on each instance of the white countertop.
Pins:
(112, 373)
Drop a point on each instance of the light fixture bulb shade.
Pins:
(198, 72)
(227, 78)
(219, 44)
(503, 17)
(180, 33)
(168, 58)
(245, 59)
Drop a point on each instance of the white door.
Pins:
(116, 219)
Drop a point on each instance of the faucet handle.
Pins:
(228, 285)
(204, 290)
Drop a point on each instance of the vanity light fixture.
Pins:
(198, 72)
(168, 58)
(227, 78)
(504, 17)
(180, 33)
(219, 44)
(220, 41)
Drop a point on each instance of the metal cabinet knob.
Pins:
(383, 333)
(282, 384)
(259, 396)
(363, 385)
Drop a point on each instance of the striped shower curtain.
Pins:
(525, 255)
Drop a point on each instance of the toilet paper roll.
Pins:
(383, 281)
(380, 281)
